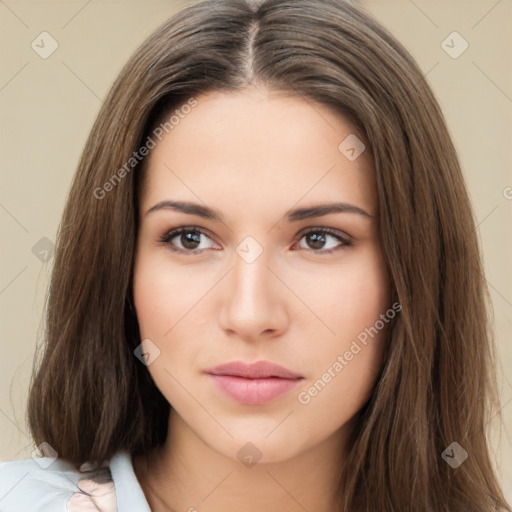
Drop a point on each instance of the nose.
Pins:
(254, 301)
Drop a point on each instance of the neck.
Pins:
(185, 474)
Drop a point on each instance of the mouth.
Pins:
(253, 384)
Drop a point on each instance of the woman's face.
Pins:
(256, 277)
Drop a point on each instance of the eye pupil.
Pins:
(317, 239)
(190, 239)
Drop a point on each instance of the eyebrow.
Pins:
(293, 215)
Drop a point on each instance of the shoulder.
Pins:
(49, 484)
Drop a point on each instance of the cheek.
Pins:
(151, 300)
(354, 295)
(161, 300)
(344, 367)
(162, 293)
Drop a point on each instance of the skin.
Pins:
(253, 155)
(97, 492)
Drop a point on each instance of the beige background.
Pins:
(48, 107)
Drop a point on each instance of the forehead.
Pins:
(257, 149)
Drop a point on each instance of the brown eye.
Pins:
(185, 239)
(324, 241)
(190, 239)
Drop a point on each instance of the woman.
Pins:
(267, 290)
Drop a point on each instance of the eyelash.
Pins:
(173, 233)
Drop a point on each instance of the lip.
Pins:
(253, 384)
(257, 370)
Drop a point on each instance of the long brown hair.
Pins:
(90, 396)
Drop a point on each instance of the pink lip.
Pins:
(253, 384)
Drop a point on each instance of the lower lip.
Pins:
(253, 391)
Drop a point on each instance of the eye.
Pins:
(324, 239)
(188, 239)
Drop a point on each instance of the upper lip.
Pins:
(257, 370)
